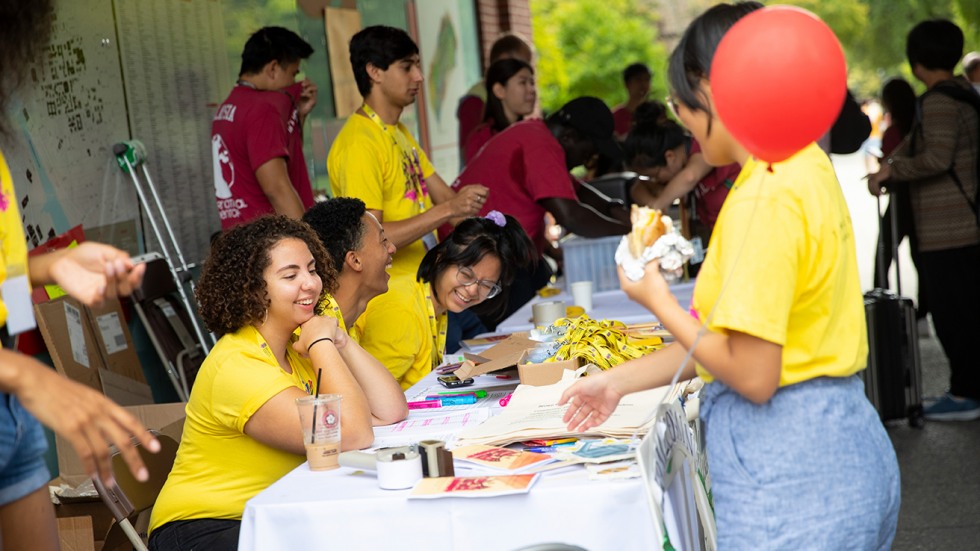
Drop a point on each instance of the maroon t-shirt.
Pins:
(710, 192)
(251, 128)
(622, 120)
(521, 165)
(477, 139)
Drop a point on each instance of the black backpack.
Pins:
(971, 98)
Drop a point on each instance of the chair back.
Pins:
(128, 497)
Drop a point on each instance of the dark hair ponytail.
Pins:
(691, 59)
(500, 72)
(647, 144)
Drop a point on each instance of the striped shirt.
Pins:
(948, 135)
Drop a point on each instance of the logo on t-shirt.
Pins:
(229, 207)
(224, 171)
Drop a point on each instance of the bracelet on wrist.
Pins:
(321, 339)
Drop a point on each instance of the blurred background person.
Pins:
(511, 96)
(636, 78)
(469, 113)
(898, 102)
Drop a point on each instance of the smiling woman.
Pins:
(468, 269)
(261, 282)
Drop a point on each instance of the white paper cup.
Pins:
(582, 294)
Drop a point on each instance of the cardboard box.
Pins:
(544, 374)
(93, 346)
(70, 341)
(167, 419)
(76, 534)
(116, 346)
(502, 355)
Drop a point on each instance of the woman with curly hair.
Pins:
(261, 282)
(468, 269)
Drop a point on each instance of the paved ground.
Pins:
(939, 463)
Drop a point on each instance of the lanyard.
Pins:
(437, 329)
(415, 188)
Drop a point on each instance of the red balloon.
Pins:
(779, 80)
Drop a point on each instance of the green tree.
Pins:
(583, 47)
(873, 32)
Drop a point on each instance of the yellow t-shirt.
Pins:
(379, 164)
(405, 335)
(332, 309)
(13, 245)
(218, 468)
(785, 245)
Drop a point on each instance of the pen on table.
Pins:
(425, 404)
(478, 393)
(458, 400)
(540, 449)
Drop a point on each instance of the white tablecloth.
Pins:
(614, 305)
(345, 509)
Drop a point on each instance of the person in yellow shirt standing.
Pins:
(798, 456)
(375, 159)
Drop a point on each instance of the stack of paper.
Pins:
(493, 458)
(533, 413)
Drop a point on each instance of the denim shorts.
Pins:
(22, 447)
(812, 468)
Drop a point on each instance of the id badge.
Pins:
(16, 293)
(698, 256)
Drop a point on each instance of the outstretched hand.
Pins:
(93, 272)
(591, 400)
(87, 419)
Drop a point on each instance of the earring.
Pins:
(265, 318)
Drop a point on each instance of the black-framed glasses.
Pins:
(486, 289)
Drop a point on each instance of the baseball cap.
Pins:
(591, 117)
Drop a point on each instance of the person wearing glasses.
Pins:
(469, 269)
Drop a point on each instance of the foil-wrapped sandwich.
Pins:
(653, 237)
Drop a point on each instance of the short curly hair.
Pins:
(338, 223)
(232, 292)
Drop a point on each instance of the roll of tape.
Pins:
(545, 313)
(399, 473)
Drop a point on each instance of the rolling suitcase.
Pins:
(893, 377)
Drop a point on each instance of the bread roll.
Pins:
(649, 225)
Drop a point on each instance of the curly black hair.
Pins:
(232, 292)
(26, 30)
(338, 223)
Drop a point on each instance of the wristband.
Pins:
(308, 348)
